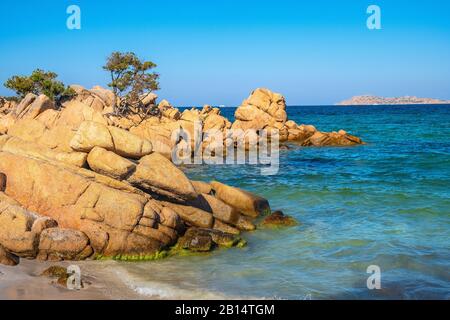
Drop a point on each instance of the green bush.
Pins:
(39, 82)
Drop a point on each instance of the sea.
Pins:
(381, 209)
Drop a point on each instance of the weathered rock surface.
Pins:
(17, 234)
(159, 175)
(340, 138)
(31, 106)
(308, 135)
(6, 106)
(201, 187)
(158, 133)
(63, 244)
(267, 110)
(226, 214)
(77, 181)
(263, 109)
(30, 149)
(97, 98)
(191, 215)
(195, 241)
(279, 219)
(93, 134)
(221, 226)
(8, 258)
(247, 203)
(203, 239)
(110, 164)
(107, 211)
(53, 129)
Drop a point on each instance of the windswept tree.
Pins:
(39, 82)
(131, 81)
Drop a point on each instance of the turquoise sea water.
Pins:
(386, 203)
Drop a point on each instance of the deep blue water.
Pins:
(386, 203)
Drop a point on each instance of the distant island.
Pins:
(374, 100)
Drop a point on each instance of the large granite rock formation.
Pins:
(78, 182)
(266, 110)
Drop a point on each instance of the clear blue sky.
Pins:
(314, 52)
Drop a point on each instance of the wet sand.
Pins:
(23, 282)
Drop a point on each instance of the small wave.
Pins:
(164, 291)
(160, 290)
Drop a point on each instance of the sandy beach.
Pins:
(23, 282)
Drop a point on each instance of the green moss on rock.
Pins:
(279, 219)
(54, 272)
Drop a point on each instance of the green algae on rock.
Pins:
(202, 239)
(279, 219)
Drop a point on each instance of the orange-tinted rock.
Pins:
(201, 187)
(7, 258)
(278, 218)
(31, 149)
(192, 215)
(319, 139)
(159, 175)
(103, 208)
(63, 244)
(92, 134)
(245, 202)
(108, 163)
(263, 109)
(222, 226)
(18, 233)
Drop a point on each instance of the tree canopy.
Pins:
(39, 82)
(131, 81)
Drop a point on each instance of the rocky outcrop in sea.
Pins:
(79, 182)
(374, 100)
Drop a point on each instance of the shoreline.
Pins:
(102, 280)
(23, 282)
(106, 186)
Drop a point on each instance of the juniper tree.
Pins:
(131, 82)
(39, 82)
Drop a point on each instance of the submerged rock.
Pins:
(195, 241)
(203, 239)
(61, 275)
(279, 219)
(54, 272)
